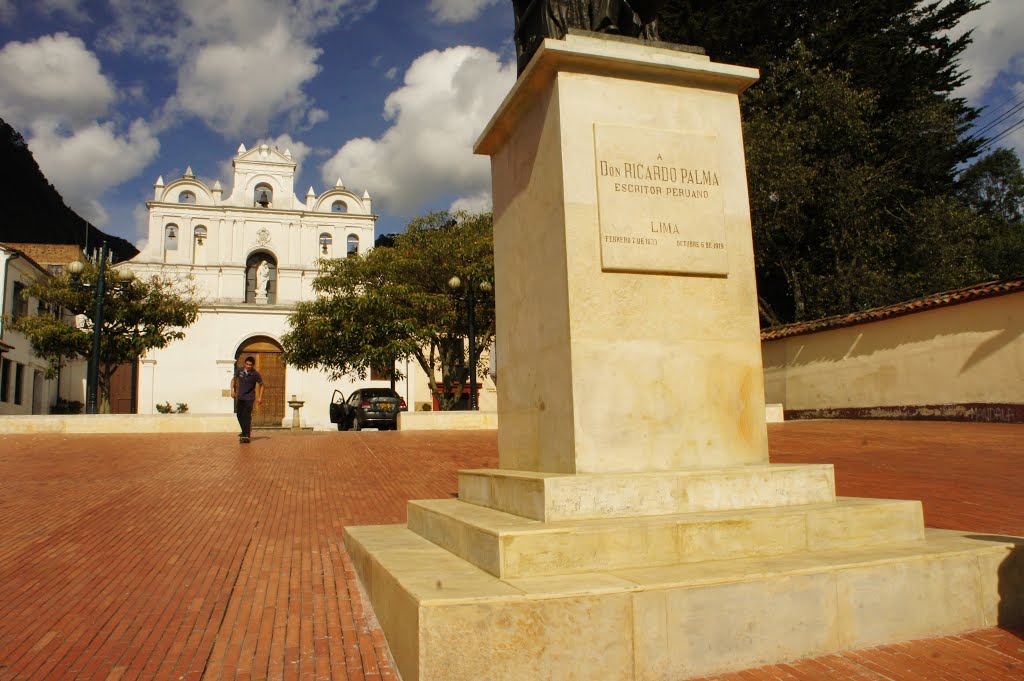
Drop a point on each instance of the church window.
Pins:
(263, 196)
(339, 207)
(5, 379)
(186, 197)
(352, 245)
(19, 381)
(171, 237)
(325, 243)
(20, 301)
(200, 233)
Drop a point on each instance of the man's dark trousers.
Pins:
(244, 411)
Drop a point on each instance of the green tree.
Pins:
(138, 316)
(853, 143)
(394, 303)
(820, 184)
(994, 188)
(994, 185)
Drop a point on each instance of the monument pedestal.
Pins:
(446, 619)
(635, 529)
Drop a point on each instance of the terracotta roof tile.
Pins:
(989, 289)
(14, 248)
(49, 254)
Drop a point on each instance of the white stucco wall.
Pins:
(960, 354)
(37, 393)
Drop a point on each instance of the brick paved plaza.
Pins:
(194, 557)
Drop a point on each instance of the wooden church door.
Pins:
(271, 365)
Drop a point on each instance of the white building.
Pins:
(253, 255)
(24, 389)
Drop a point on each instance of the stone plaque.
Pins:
(659, 201)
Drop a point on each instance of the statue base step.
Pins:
(508, 546)
(553, 497)
(446, 619)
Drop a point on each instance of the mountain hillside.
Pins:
(35, 212)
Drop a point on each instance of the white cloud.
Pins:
(997, 48)
(54, 92)
(1015, 139)
(237, 88)
(458, 11)
(54, 77)
(391, 73)
(298, 149)
(478, 203)
(445, 101)
(241, 64)
(91, 160)
(995, 62)
(315, 116)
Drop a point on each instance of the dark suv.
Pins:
(367, 408)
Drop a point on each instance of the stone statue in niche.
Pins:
(540, 19)
(262, 280)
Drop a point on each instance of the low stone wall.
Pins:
(774, 413)
(448, 420)
(488, 420)
(957, 362)
(120, 423)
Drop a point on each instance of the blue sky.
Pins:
(388, 95)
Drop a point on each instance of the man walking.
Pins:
(246, 388)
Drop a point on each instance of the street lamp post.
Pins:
(93, 379)
(485, 286)
(94, 359)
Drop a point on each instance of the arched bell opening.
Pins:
(263, 196)
(199, 236)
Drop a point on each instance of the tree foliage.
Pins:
(394, 303)
(854, 143)
(994, 186)
(994, 189)
(820, 184)
(139, 316)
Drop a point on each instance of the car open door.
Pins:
(339, 410)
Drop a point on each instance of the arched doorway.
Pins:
(270, 363)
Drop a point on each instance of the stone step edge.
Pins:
(568, 496)
(936, 544)
(527, 525)
(532, 549)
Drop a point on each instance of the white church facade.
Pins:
(252, 255)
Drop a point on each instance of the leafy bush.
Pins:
(66, 407)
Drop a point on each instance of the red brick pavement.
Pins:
(192, 557)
